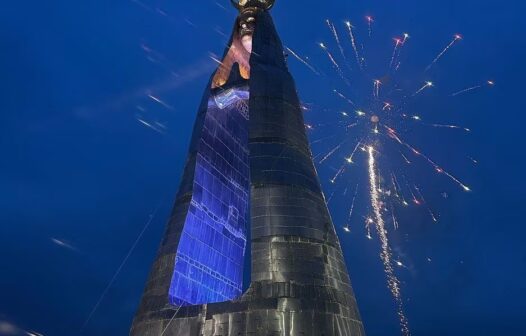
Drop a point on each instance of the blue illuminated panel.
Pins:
(210, 254)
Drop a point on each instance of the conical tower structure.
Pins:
(250, 178)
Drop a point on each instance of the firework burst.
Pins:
(373, 139)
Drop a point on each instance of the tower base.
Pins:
(273, 309)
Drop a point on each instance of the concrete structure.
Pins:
(250, 148)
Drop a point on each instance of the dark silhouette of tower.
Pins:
(250, 169)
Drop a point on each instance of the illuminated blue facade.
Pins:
(210, 254)
(299, 284)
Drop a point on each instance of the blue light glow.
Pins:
(210, 255)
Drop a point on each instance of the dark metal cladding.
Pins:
(202, 254)
(300, 284)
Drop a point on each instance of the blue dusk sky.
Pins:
(82, 173)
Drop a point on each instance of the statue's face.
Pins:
(247, 43)
(247, 24)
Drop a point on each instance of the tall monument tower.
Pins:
(250, 178)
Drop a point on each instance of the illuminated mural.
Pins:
(210, 255)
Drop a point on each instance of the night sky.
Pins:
(81, 176)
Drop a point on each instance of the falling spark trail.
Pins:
(351, 157)
(143, 5)
(379, 181)
(214, 58)
(315, 157)
(158, 100)
(338, 173)
(334, 63)
(415, 200)
(392, 280)
(395, 221)
(398, 190)
(397, 44)
(318, 126)
(466, 90)
(160, 11)
(153, 127)
(156, 56)
(473, 88)
(353, 203)
(121, 266)
(395, 188)
(323, 139)
(190, 23)
(376, 88)
(405, 158)
(368, 223)
(449, 126)
(331, 153)
(336, 38)
(341, 95)
(420, 197)
(221, 6)
(431, 213)
(64, 244)
(360, 113)
(330, 197)
(220, 32)
(395, 60)
(370, 21)
(172, 319)
(392, 133)
(406, 37)
(425, 86)
(353, 43)
(33, 333)
(440, 170)
(456, 38)
(299, 58)
(347, 228)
